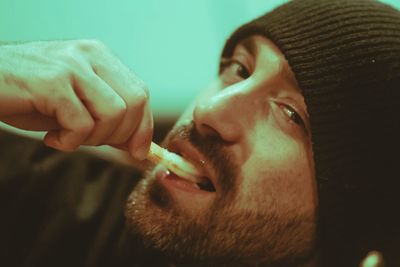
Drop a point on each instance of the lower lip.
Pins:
(172, 181)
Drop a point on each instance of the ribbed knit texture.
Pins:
(345, 55)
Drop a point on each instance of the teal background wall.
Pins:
(172, 45)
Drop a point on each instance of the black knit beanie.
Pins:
(345, 55)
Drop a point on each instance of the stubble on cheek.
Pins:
(229, 231)
(148, 197)
(160, 196)
(225, 234)
(143, 216)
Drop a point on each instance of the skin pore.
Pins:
(251, 130)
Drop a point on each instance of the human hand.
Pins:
(373, 259)
(78, 92)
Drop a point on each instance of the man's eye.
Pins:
(293, 115)
(233, 71)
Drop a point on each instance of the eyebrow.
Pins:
(284, 71)
(250, 46)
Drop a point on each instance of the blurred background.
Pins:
(172, 45)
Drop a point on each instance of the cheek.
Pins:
(280, 176)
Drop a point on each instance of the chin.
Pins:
(222, 236)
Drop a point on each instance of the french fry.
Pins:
(173, 162)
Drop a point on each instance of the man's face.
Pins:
(249, 132)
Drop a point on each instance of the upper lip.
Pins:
(190, 153)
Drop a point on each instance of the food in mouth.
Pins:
(198, 183)
(177, 167)
(173, 162)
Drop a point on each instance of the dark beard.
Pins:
(224, 235)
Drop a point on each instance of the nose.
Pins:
(227, 114)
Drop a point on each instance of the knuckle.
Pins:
(138, 84)
(115, 110)
(140, 100)
(57, 76)
(117, 104)
(146, 91)
(85, 127)
(72, 62)
(119, 108)
(90, 45)
(89, 78)
(80, 122)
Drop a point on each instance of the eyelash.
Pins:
(228, 63)
(294, 116)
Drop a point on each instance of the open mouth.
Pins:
(203, 182)
(206, 185)
(191, 184)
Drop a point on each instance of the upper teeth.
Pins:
(181, 167)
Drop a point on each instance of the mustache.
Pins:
(214, 150)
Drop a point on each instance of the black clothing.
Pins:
(60, 209)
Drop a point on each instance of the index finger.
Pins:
(74, 119)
